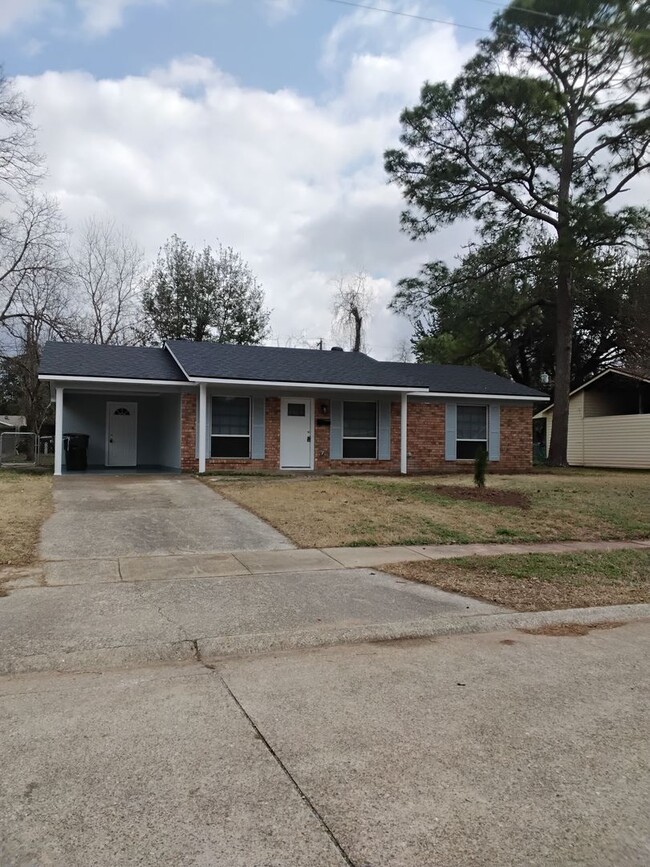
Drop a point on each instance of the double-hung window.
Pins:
(231, 427)
(359, 429)
(471, 431)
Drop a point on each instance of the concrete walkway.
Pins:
(218, 564)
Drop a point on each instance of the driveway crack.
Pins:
(285, 770)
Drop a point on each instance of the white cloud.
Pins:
(296, 184)
(99, 17)
(279, 9)
(16, 12)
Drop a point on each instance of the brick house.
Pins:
(198, 407)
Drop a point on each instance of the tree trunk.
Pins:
(557, 456)
(358, 324)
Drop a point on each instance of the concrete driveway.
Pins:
(495, 750)
(120, 516)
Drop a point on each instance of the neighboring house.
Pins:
(609, 421)
(12, 423)
(208, 406)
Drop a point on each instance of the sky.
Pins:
(258, 123)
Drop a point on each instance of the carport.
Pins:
(125, 399)
(129, 429)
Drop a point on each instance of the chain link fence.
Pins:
(25, 449)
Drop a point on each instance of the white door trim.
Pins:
(133, 406)
(311, 415)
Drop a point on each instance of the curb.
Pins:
(213, 649)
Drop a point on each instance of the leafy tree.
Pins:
(545, 127)
(206, 295)
(496, 309)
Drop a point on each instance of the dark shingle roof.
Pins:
(279, 364)
(462, 379)
(112, 362)
(269, 364)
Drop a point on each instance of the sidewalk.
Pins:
(57, 573)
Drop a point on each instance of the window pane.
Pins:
(466, 449)
(471, 424)
(230, 447)
(296, 409)
(359, 419)
(230, 415)
(360, 449)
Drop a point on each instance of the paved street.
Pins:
(500, 749)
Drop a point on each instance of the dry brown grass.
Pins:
(26, 502)
(541, 582)
(316, 512)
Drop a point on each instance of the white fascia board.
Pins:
(454, 394)
(183, 371)
(325, 386)
(50, 377)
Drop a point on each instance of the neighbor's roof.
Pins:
(109, 362)
(618, 371)
(279, 364)
(183, 360)
(13, 420)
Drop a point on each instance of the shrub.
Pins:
(480, 468)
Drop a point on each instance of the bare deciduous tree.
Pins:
(42, 313)
(106, 266)
(31, 227)
(20, 164)
(351, 307)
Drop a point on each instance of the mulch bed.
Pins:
(490, 496)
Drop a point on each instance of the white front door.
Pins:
(121, 434)
(296, 434)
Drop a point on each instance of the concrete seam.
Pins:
(241, 563)
(331, 556)
(285, 770)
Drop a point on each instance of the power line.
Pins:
(408, 15)
(645, 34)
(624, 31)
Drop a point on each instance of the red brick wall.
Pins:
(426, 441)
(189, 461)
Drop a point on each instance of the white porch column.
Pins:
(403, 428)
(202, 423)
(58, 431)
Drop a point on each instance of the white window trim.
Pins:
(367, 439)
(232, 436)
(485, 439)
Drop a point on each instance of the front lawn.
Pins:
(26, 501)
(318, 512)
(541, 582)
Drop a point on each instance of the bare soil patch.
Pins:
(572, 629)
(490, 496)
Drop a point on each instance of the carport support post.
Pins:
(403, 428)
(202, 425)
(58, 431)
